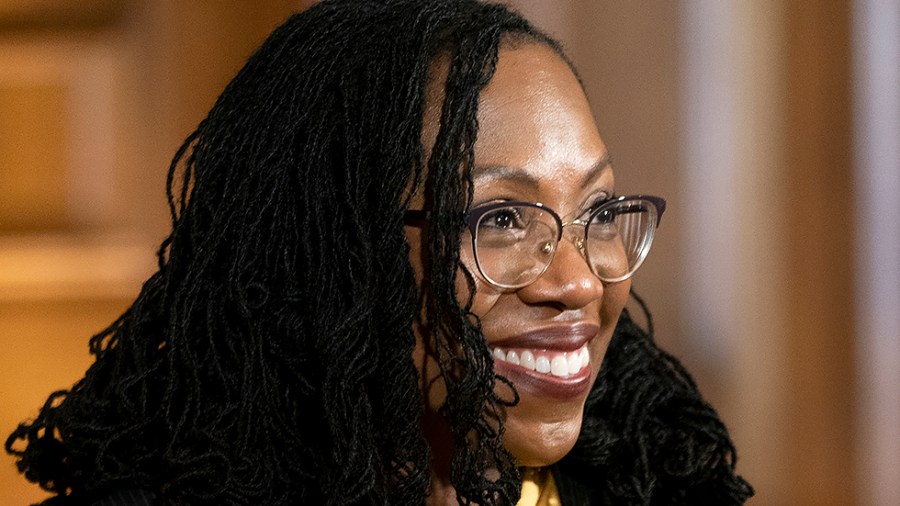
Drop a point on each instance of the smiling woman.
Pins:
(537, 299)
(396, 275)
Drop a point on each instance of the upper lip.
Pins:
(557, 337)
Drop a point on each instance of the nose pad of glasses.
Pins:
(575, 233)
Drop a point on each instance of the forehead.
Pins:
(533, 117)
(533, 96)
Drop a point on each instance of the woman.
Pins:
(397, 263)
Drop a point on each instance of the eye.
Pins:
(504, 218)
(606, 216)
(602, 225)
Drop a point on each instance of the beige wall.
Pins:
(876, 71)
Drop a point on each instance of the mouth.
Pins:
(550, 362)
(554, 363)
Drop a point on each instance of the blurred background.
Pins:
(772, 127)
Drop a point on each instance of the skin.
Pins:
(538, 143)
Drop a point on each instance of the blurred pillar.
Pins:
(769, 148)
(877, 205)
(819, 150)
(735, 268)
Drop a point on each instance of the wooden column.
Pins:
(820, 212)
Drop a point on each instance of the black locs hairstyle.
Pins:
(268, 361)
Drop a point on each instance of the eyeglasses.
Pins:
(514, 242)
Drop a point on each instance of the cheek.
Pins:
(615, 296)
(482, 301)
(486, 295)
(484, 298)
(430, 381)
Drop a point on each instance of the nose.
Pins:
(568, 281)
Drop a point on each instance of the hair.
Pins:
(268, 361)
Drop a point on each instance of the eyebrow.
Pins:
(522, 177)
(597, 170)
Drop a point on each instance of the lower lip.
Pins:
(546, 385)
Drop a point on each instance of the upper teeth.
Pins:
(559, 364)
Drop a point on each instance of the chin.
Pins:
(544, 426)
(540, 443)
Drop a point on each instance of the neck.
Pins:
(441, 493)
(440, 439)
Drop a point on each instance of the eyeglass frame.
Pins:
(474, 217)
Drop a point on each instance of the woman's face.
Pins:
(537, 142)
